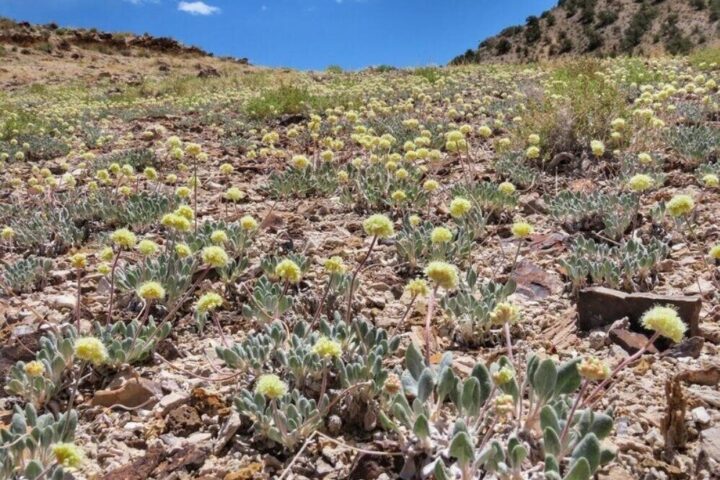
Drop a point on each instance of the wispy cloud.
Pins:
(197, 8)
(138, 2)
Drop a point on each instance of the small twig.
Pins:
(175, 367)
(297, 455)
(360, 450)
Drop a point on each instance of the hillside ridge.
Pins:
(603, 28)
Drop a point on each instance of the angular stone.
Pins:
(228, 430)
(700, 415)
(171, 401)
(710, 442)
(183, 420)
(133, 393)
(600, 306)
(631, 342)
(690, 347)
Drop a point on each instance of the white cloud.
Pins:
(197, 8)
(140, 2)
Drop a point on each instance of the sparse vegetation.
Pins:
(224, 271)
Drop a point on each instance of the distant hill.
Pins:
(53, 54)
(603, 28)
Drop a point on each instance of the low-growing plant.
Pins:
(611, 214)
(29, 447)
(488, 431)
(471, 305)
(41, 380)
(309, 365)
(631, 266)
(25, 275)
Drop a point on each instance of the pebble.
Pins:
(700, 415)
(134, 426)
(198, 438)
(597, 340)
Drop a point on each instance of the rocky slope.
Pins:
(604, 28)
(51, 54)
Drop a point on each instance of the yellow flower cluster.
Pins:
(148, 247)
(641, 182)
(214, 256)
(680, 205)
(327, 348)
(271, 386)
(593, 369)
(68, 455)
(522, 229)
(665, 321)
(378, 225)
(417, 288)
(151, 291)
(443, 274)
(507, 188)
(123, 238)
(78, 260)
(208, 302)
(334, 265)
(34, 368)
(504, 312)
(90, 349)
(288, 271)
(503, 376)
(459, 207)
(441, 235)
(248, 223)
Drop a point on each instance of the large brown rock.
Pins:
(600, 306)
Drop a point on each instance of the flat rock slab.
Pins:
(710, 442)
(600, 306)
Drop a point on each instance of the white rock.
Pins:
(61, 301)
(134, 426)
(198, 438)
(700, 415)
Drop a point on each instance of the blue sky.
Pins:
(306, 34)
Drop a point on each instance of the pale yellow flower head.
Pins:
(441, 235)
(593, 369)
(503, 376)
(148, 247)
(680, 205)
(123, 238)
(417, 288)
(288, 271)
(214, 256)
(218, 237)
(507, 188)
(711, 180)
(378, 225)
(208, 302)
(327, 348)
(504, 312)
(271, 386)
(248, 223)
(90, 349)
(334, 265)
(151, 291)
(665, 321)
(78, 260)
(443, 274)
(34, 368)
(459, 207)
(641, 182)
(68, 455)
(522, 229)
